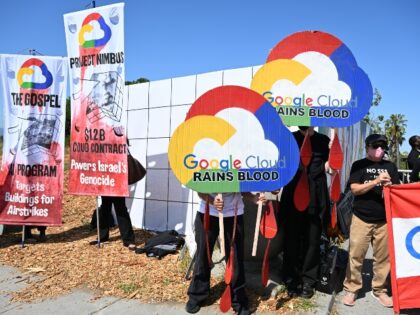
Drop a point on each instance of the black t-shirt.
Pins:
(370, 206)
(412, 158)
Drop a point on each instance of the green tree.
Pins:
(375, 123)
(139, 80)
(395, 128)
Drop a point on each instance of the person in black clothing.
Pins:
(41, 238)
(368, 226)
(303, 229)
(123, 218)
(415, 172)
(414, 154)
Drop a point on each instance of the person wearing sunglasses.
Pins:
(368, 176)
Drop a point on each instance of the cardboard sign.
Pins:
(98, 148)
(233, 140)
(312, 79)
(34, 98)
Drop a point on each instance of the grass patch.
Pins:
(128, 288)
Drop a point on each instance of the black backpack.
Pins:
(332, 269)
(345, 211)
(162, 244)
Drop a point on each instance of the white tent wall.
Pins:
(155, 110)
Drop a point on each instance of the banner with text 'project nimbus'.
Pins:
(98, 145)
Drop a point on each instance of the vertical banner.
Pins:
(34, 98)
(402, 205)
(98, 148)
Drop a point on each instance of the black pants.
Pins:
(200, 284)
(123, 218)
(301, 251)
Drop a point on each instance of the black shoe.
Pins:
(192, 307)
(307, 291)
(95, 242)
(243, 310)
(292, 290)
(42, 238)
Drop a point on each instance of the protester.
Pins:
(414, 154)
(415, 172)
(42, 235)
(303, 229)
(199, 287)
(368, 176)
(123, 219)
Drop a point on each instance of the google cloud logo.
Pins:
(28, 68)
(88, 28)
(232, 140)
(313, 79)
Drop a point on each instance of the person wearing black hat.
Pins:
(368, 176)
(414, 154)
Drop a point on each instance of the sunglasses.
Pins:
(377, 145)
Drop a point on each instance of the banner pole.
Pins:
(23, 236)
(257, 229)
(97, 223)
(221, 230)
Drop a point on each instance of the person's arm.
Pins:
(216, 202)
(360, 189)
(254, 198)
(415, 172)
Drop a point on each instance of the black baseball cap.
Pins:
(374, 138)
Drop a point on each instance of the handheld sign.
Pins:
(232, 140)
(312, 79)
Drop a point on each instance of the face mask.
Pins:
(376, 154)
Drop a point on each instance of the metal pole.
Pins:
(23, 236)
(97, 223)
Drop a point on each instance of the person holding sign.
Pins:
(368, 176)
(231, 205)
(303, 227)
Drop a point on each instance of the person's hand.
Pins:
(383, 179)
(260, 198)
(218, 203)
(328, 169)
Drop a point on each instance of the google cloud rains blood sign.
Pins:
(232, 140)
(312, 79)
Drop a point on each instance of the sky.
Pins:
(167, 39)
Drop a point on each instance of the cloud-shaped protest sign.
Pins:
(233, 140)
(95, 32)
(312, 79)
(34, 74)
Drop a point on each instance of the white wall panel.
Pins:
(160, 93)
(136, 207)
(178, 192)
(137, 124)
(178, 114)
(156, 215)
(159, 119)
(179, 216)
(157, 184)
(157, 153)
(138, 96)
(241, 77)
(183, 90)
(208, 81)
